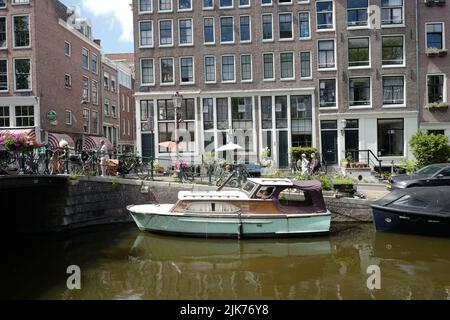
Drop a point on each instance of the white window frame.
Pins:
(70, 81)
(444, 46)
(159, 33)
(153, 35)
(335, 56)
(245, 5)
(227, 42)
(404, 52)
(334, 17)
(234, 68)
(262, 27)
(293, 65)
(89, 120)
(6, 31)
(370, 53)
(7, 75)
(403, 105)
(193, 70)
(228, 7)
(214, 31)
(273, 67)
(140, 70)
(31, 75)
(95, 102)
(192, 31)
(266, 4)
(336, 94)
(145, 12)
(310, 65)
(184, 10)
(70, 49)
(393, 25)
(165, 11)
(161, 83)
(14, 34)
(96, 66)
(68, 112)
(249, 26)
(14, 3)
(309, 26)
(360, 27)
(215, 69)
(251, 67)
(369, 106)
(292, 26)
(208, 8)
(285, 3)
(88, 59)
(89, 88)
(445, 99)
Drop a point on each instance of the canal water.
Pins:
(120, 262)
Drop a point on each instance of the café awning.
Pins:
(55, 139)
(29, 132)
(92, 143)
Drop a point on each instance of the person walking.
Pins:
(314, 164)
(305, 164)
(103, 153)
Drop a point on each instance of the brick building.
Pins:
(111, 115)
(337, 75)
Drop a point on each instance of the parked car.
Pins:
(433, 175)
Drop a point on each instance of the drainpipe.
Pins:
(417, 66)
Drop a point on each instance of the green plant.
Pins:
(409, 166)
(156, 166)
(115, 184)
(438, 105)
(73, 177)
(265, 152)
(429, 148)
(324, 180)
(342, 181)
(349, 158)
(296, 152)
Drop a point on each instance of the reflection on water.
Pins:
(121, 262)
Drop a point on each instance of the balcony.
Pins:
(430, 3)
(435, 52)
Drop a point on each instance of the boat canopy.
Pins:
(424, 201)
(311, 185)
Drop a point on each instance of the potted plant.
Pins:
(343, 185)
(349, 159)
(438, 106)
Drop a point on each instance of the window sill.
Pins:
(229, 82)
(268, 41)
(306, 78)
(145, 12)
(393, 66)
(269, 80)
(210, 82)
(186, 45)
(325, 30)
(391, 106)
(245, 42)
(22, 48)
(285, 39)
(166, 45)
(328, 108)
(359, 107)
(209, 43)
(358, 28)
(187, 83)
(146, 47)
(305, 39)
(287, 79)
(389, 26)
(147, 84)
(167, 84)
(247, 81)
(227, 43)
(326, 69)
(360, 68)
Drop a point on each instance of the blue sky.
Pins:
(112, 22)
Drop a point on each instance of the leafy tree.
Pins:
(429, 148)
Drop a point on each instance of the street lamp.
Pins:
(177, 100)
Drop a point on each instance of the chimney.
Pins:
(98, 41)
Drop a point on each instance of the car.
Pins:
(430, 176)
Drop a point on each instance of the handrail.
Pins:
(371, 157)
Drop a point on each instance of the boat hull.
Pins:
(386, 220)
(233, 226)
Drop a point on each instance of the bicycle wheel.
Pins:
(234, 183)
(142, 171)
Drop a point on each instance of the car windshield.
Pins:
(430, 170)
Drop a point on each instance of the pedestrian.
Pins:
(305, 164)
(314, 164)
(103, 153)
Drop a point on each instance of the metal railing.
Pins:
(370, 158)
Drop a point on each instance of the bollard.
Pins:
(210, 175)
(21, 163)
(66, 160)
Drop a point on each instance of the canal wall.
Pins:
(31, 204)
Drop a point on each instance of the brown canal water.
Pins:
(120, 262)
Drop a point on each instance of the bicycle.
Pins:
(240, 176)
(134, 165)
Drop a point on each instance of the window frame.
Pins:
(251, 67)
(249, 29)
(205, 70)
(309, 26)
(234, 68)
(159, 34)
(399, 105)
(335, 56)
(444, 91)
(333, 12)
(145, 84)
(293, 66)
(166, 10)
(213, 31)
(336, 94)
(161, 83)
(369, 66)
(232, 30)
(29, 31)
(361, 106)
(310, 65)
(140, 36)
(31, 74)
(387, 66)
(292, 26)
(193, 70)
(262, 27)
(442, 35)
(145, 12)
(192, 32)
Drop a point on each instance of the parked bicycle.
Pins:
(134, 165)
(239, 177)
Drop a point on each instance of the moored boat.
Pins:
(423, 211)
(261, 208)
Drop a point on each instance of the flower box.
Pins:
(438, 106)
(435, 52)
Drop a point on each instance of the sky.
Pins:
(112, 22)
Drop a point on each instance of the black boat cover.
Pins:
(433, 201)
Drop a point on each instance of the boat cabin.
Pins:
(257, 196)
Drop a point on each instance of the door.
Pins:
(283, 149)
(352, 144)
(329, 147)
(148, 146)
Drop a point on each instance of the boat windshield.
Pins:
(248, 187)
(430, 170)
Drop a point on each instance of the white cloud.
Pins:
(118, 10)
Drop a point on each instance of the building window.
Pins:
(68, 117)
(85, 87)
(3, 33)
(393, 90)
(226, 30)
(327, 93)
(326, 54)
(167, 71)
(390, 137)
(3, 75)
(359, 92)
(241, 113)
(435, 35)
(269, 73)
(208, 30)
(210, 69)
(146, 33)
(435, 88)
(208, 114)
(4, 116)
(184, 5)
(185, 26)
(113, 84)
(246, 67)
(24, 116)
(281, 112)
(165, 5)
(266, 112)
(226, 3)
(147, 115)
(67, 48)
(266, 2)
(106, 82)
(393, 53)
(287, 66)
(86, 120)
(244, 28)
(304, 25)
(2, 4)
(94, 92)
(95, 123)
(85, 58)
(187, 70)
(22, 71)
(222, 113)
(94, 63)
(358, 52)
(305, 65)
(68, 80)
(208, 4)
(228, 69)
(391, 12)
(285, 26)
(21, 25)
(165, 33)
(145, 6)
(267, 27)
(106, 107)
(147, 72)
(325, 15)
(113, 111)
(357, 13)
(301, 121)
